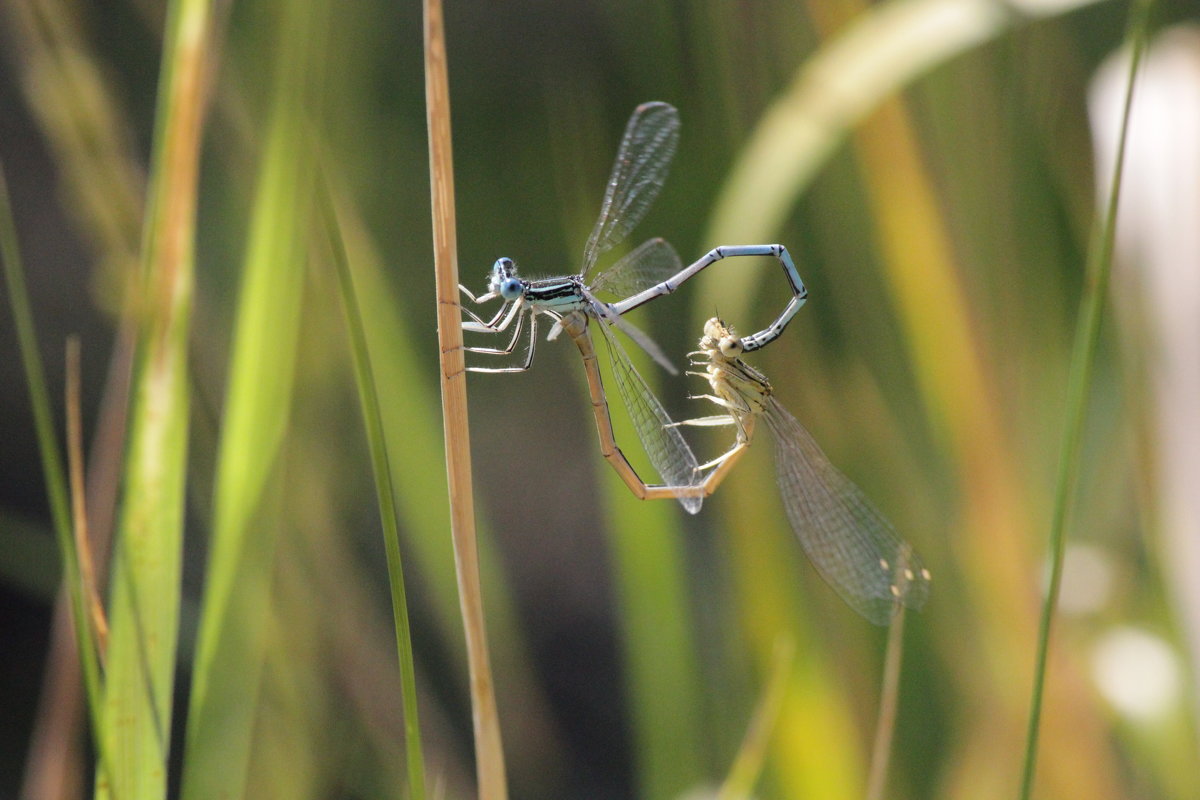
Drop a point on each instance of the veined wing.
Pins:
(650, 264)
(642, 340)
(852, 545)
(665, 446)
(643, 159)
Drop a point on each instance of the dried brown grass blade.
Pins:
(489, 753)
(87, 569)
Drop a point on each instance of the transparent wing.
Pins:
(649, 265)
(643, 159)
(643, 340)
(852, 545)
(666, 448)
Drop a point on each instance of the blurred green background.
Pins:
(942, 239)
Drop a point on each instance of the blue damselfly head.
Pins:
(504, 280)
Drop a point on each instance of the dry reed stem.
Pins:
(53, 768)
(87, 569)
(889, 699)
(489, 754)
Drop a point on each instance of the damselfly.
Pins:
(649, 271)
(851, 544)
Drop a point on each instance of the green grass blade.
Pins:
(889, 701)
(658, 645)
(144, 613)
(815, 751)
(373, 421)
(1083, 358)
(52, 466)
(232, 635)
(662, 678)
(884, 50)
(748, 764)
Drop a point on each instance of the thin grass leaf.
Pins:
(658, 644)
(101, 178)
(144, 612)
(381, 468)
(882, 51)
(52, 466)
(889, 700)
(297, 756)
(87, 568)
(1083, 359)
(815, 750)
(231, 641)
(748, 764)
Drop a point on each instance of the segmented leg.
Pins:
(477, 323)
(509, 312)
(528, 357)
(507, 349)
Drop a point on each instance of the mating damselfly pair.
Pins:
(851, 544)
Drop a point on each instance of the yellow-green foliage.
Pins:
(925, 161)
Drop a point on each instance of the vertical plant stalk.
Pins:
(87, 131)
(889, 697)
(373, 422)
(489, 752)
(87, 570)
(52, 468)
(231, 653)
(144, 614)
(1083, 357)
(748, 764)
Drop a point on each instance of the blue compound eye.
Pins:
(510, 288)
(503, 270)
